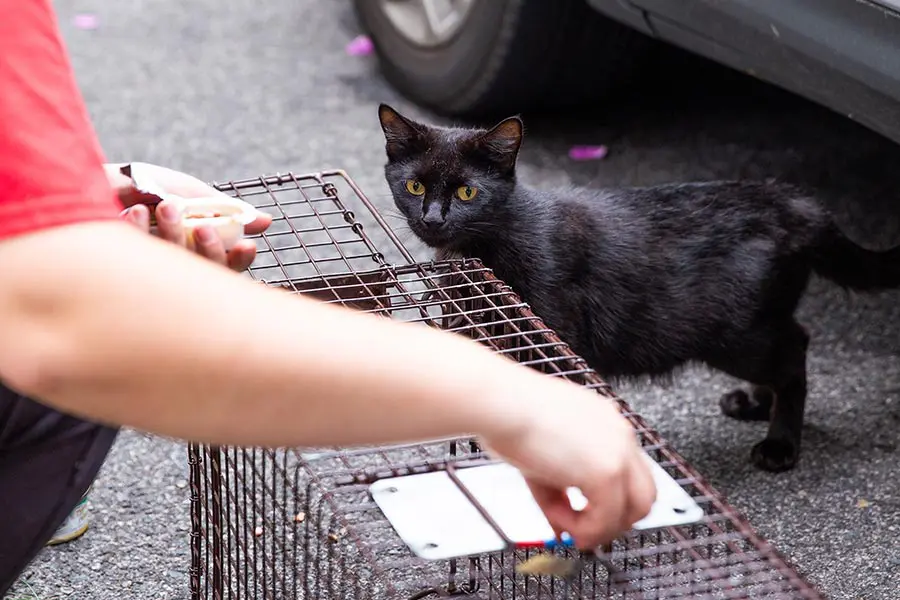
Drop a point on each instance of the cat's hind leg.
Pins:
(755, 406)
(780, 450)
(774, 358)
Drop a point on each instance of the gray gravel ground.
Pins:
(233, 88)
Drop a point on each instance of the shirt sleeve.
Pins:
(51, 164)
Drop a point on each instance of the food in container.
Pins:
(226, 215)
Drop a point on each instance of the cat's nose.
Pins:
(432, 225)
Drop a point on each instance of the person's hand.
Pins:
(206, 241)
(573, 437)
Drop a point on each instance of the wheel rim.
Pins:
(427, 23)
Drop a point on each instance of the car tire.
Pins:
(509, 56)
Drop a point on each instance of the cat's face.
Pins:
(451, 184)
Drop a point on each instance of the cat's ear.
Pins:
(501, 144)
(402, 136)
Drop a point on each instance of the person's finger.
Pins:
(641, 492)
(208, 244)
(168, 220)
(139, 216)
(601, 520)
(258, 225)
(242, 255)
(555, 505)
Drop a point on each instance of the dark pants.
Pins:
(47, 462)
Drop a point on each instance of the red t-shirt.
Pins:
(51, 164)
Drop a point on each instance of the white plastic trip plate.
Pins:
(436, 520)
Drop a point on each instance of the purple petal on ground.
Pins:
(587, 152)
(86, 21)
(361, 45)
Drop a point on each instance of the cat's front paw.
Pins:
(739, 405)
(775, 455)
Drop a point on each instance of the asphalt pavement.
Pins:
(234, 88)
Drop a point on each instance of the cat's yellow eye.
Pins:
(466, 192)
(415, 187)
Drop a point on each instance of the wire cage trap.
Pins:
(301, 523)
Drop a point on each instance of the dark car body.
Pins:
(510, 55)
(843, 54)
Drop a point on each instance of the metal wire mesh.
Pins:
(300, 524)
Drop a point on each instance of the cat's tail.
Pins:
(849, 265)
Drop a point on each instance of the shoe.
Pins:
(75, 526)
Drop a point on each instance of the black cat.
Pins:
(641, 281)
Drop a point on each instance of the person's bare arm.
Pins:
(114, 325)
(106, 322)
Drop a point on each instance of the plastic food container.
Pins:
(227, 216)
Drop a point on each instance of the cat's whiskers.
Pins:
(478, 227)
(392, 212)
(404, 231)
(400, 226)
